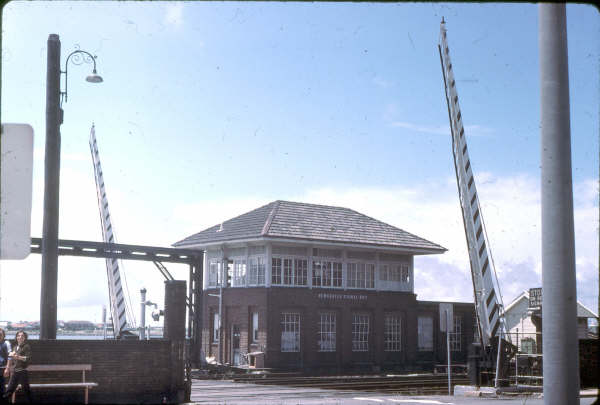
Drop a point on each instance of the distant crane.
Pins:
(486, 289)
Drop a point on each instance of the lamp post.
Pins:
(54, 118)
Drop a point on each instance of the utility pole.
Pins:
(49, 284)
(559, 319)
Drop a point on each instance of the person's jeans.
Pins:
(16, 378)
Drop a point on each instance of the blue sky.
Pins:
(209, 110)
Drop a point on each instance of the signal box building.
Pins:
(320, 288)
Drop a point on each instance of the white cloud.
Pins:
(174, 13)
(512, 211)
(510, 206)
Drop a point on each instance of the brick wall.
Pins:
(239, 303)
(126, 370)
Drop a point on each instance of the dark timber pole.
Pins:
(51, 188)
(559, 322)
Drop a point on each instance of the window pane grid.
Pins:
(239, 273)
(392, 333)
(455, 337)
(276, 271)
(361, 275)
(256, 271)
(327, 332)
(301, 266)
(360, 333)
(290, 332)
(287, 272)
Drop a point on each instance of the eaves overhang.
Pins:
(321, 242)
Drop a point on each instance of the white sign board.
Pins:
(16, 179)
(446, 317)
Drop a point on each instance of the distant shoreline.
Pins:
(62, 332)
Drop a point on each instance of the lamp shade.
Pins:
(94, 78)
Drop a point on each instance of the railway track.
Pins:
(406, 384)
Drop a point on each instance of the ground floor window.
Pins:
(455, 337)
(392, 333)
(425, 333)
(360, 332)
(290, 332)
(327, 335)
(254, 337)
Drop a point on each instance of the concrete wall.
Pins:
(126, 370)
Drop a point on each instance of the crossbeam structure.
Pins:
(194, 258)
(67, 247)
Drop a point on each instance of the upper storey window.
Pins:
(214, 273)
(289, 271)
(327, 273)
(256, 273)
(398, 272)
(361, 275)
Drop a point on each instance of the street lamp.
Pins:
(79, 57)
(54, 118)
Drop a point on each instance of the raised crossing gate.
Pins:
(488, 301)
(118, 307)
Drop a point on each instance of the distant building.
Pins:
(322, 288)
(524, 324)
(79, 325)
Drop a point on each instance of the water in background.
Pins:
(36, 336)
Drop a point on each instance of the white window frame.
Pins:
(276, 270)
(360, 275)
(301, 271)
(392, 333)
(238, 278)
(425, 337)
(213, 273)
(290, 332)
(456, 336)
(360, 332)
(326, 339)
(285, 269)
(317, 272)
(397, 272)
(405, 273)
(256, 270)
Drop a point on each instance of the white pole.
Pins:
(559, 316)
(143, 314)
(448, 350)
(104, 320)
(498, 368)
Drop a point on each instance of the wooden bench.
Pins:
(86, 385)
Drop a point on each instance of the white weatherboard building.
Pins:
(521, 322)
